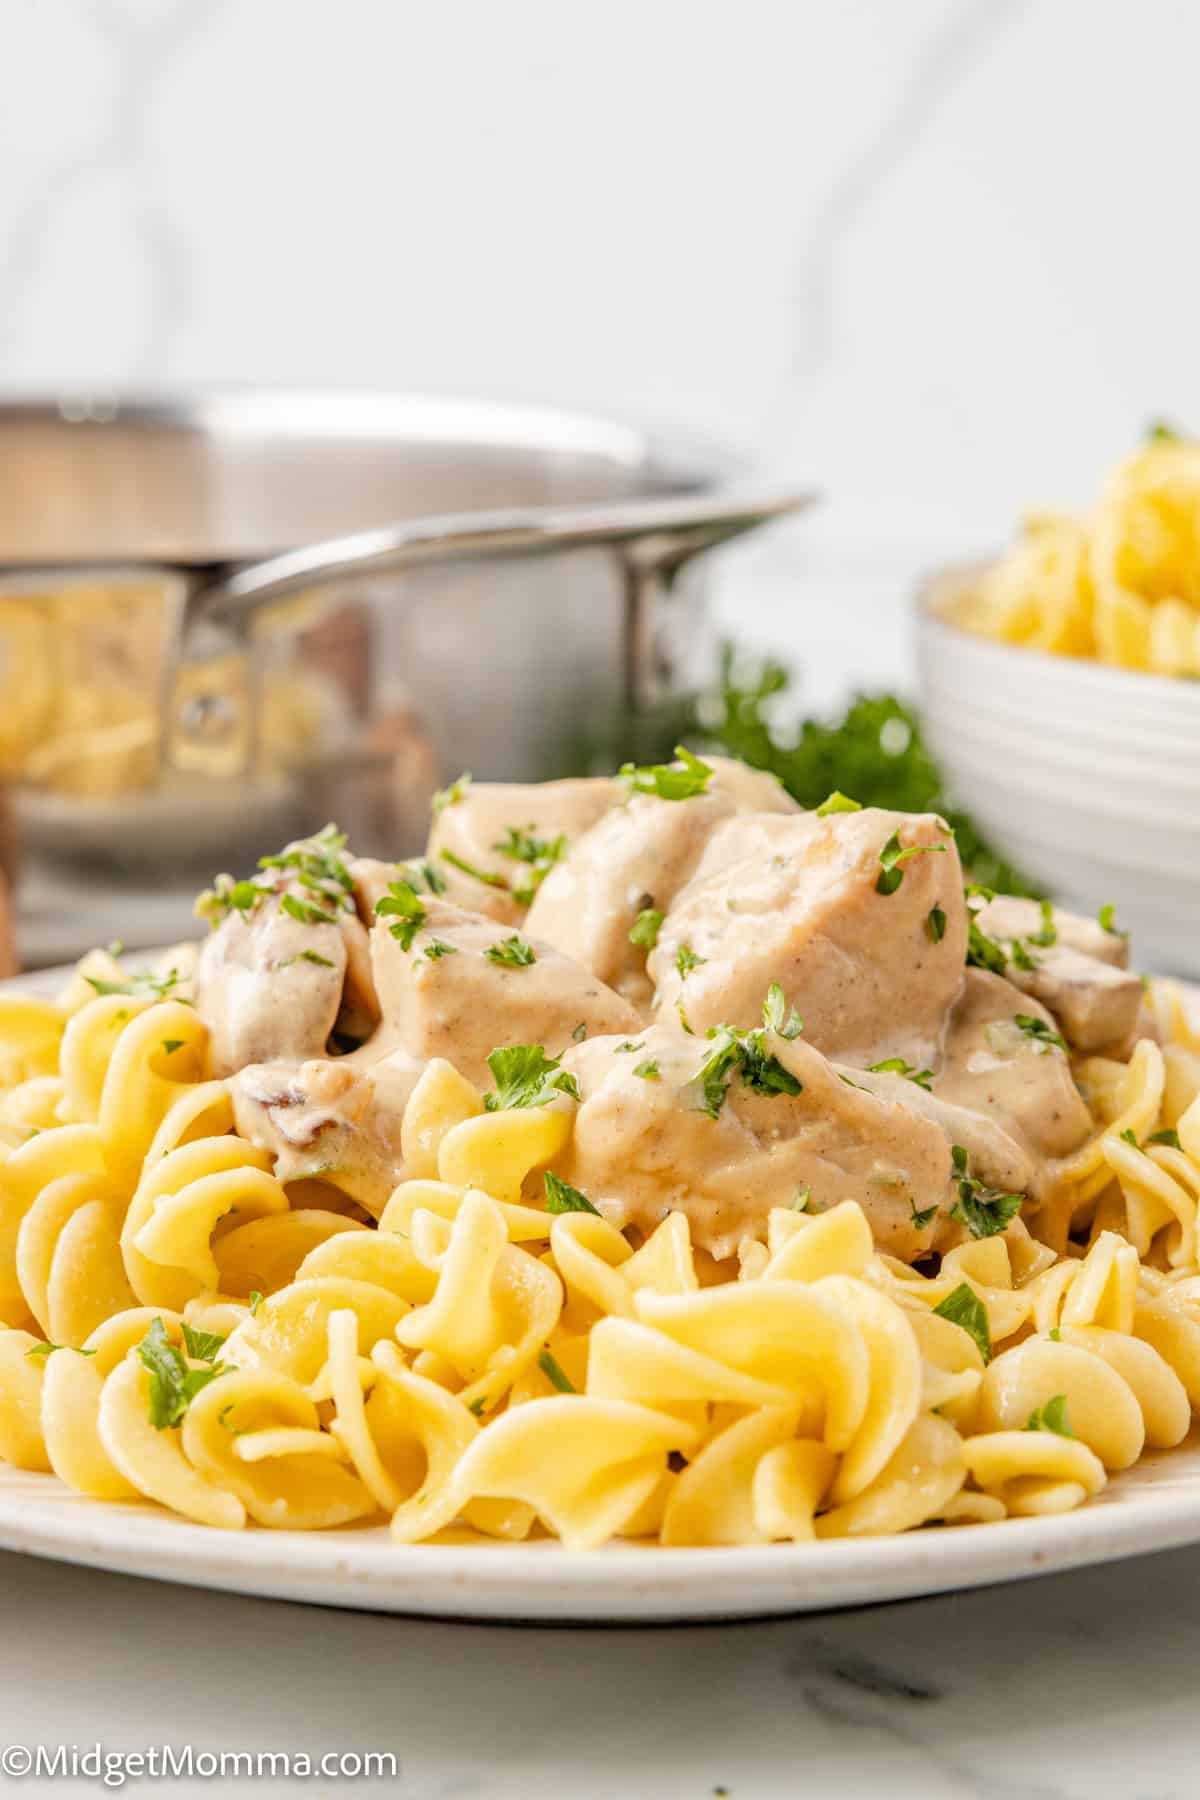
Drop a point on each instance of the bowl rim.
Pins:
(932, 623)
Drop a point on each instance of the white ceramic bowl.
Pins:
(1087, 777)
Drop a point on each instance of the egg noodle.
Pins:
(182, 1328)
(1121, 584)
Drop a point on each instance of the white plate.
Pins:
(1154, 1506)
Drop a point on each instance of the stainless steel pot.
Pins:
(226, 619)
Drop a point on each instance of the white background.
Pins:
(939, 255)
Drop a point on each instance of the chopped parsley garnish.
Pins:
(478, 1406)
(142, 984)
(202, 1346)
(648, 1070)
(926, 1215)
(540, 854)
(485, 875)
(1107, 921)
(1048, 934)
(746, 1054)
(984, 952)
(1055, 1335)
(686, 960)
(170, 1045)
(892, 858)
(308, 956)
(935, 925)
(511, 952)
(1043, 1035)
(1129, 1136)
(963, 1307)
(579, 1033)
(837, 803)
(776, 1016)
(450, 796)
(628, 1047)
(561, 1197)
(985, 1211)
(1020, 955)
(436, 948)
(526, 1076)
(423, 875)
(666, 780)
(254, 1300)
(227, 896)
(401, 904)
(1051, 1417)
(1169, 1136)
(306, 912)
(802, 1199)
(645, 928)
(46, 1348)
(173, 1386)
(555, 1374)
(317, 863)
(896, 1065)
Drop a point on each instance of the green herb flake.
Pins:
(802, 1199)
(173, 1386)
(837, 803)
(1052, 1416)
(306, 912)
(686, 960)
(1055, 1335)
(648, 1070)
(46, 1348)
(1020, 956)
(561, 1197)
(1044, 1036)
(985, 1211)
(935, 925)
(511, 953)
(486, 876)
(645, 928)
(1169, 1136)
(308, 956)
(401, 904)
(422, 875)
(920, 1219)
(555, 1374)
(202, 1346)
(964, 1308)
(1048, 934)
(478, 1406)
(526, 1076)
(254, 1300)
(776, 1016)
(171, 1045)
(984, 952)
(1106, 918)
(896, 1065)
(1129, 1136)
(539, 854)
(143, 984)
(579, 1033)
(666, 780)
(892, 858)
(436, 948)
(450, 796)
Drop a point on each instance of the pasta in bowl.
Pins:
(650, 1160)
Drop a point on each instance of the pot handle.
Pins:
(648, 534)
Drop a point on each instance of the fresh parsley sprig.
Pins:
(401, 904)
(668, 781)
(985, 1211)
(964, 1308)
(513, 952)
(525, 1076)
(561, 1197)
(173, 1385)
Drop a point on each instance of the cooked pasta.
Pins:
(508, 1344)
(1121, 584)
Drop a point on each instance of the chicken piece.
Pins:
(644, 1145)
(1009, 917)
(509, 832)
(636, 859)
(448, 995)
(797, 901)
(270, 986)
(1015, 1075)
(1095, 1000)
(338, 1121)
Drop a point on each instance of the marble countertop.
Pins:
(1072, 1686)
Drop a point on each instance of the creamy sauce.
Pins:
(752, 892)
